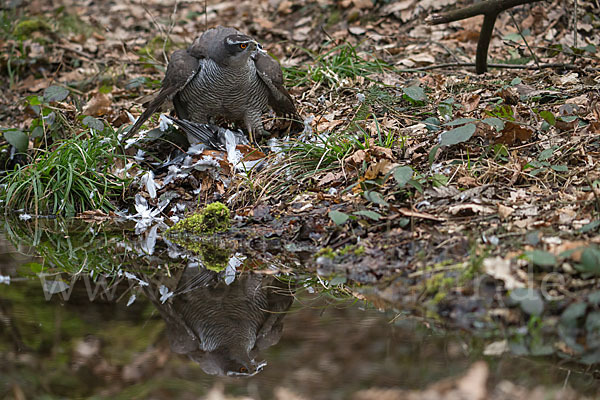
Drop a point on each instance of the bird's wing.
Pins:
(181, 70)
(270, 73)
(202, 133)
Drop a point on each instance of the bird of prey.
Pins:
(223, 327)
(223, 74)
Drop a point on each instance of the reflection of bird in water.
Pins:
(221, 327)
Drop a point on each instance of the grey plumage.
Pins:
(224, 327)
(223, 74)
(212, 136)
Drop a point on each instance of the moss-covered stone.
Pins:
(213, 219)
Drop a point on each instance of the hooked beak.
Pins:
(259, 48)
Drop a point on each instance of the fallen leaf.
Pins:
(470, 209)
(357, 157)
(409, 213)
(473, 385)
(471, 102)
(504, 211)
(357, 30)
(496, 348)
(499, 268)
(98, 105)
(379, 168)
(513, 132)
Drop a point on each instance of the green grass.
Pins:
(74, 176)
(69, 246)
(331, 68)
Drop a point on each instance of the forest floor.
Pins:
(473, 199)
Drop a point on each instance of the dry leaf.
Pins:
(513, 132)
(470, 209)
(98, 105)
(499, 268)
(379, 168)
(504, 211)
(471, 102)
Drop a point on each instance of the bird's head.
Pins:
(239, 48)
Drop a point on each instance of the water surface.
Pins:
(162, 330)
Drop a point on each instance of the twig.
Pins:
(512, 17)
(87, 56)
(575, 24)
(502, 66)
(171, 26)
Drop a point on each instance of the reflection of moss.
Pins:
(438, 286)
(214, 218)
(328, 252)
(213, 256)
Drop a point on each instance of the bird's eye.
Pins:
(243, 45)
(243, 370)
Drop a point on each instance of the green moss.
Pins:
(214, 218)
(439, 297)
(326, 252)
(28, 26)
(213, 256)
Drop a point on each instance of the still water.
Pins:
(158, 331)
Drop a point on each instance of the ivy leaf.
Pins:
(457, 135)
(369, 214)
(93, 123)
(546, 154)
(18, 139)
(402, 175)
(541, 258)
(460, 121)
(590, 260)
(572, 313)
(414, 92)
(497, 123)
(560, 168)
(592, 226)
(338, 217)
(529, 300)
(548, 117)
(432, 124)
(55, 93)
(375, 197)
(338, 280)
(135, 82)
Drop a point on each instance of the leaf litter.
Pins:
(496, 175)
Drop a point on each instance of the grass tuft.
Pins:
(333, 67)
(76, 175)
